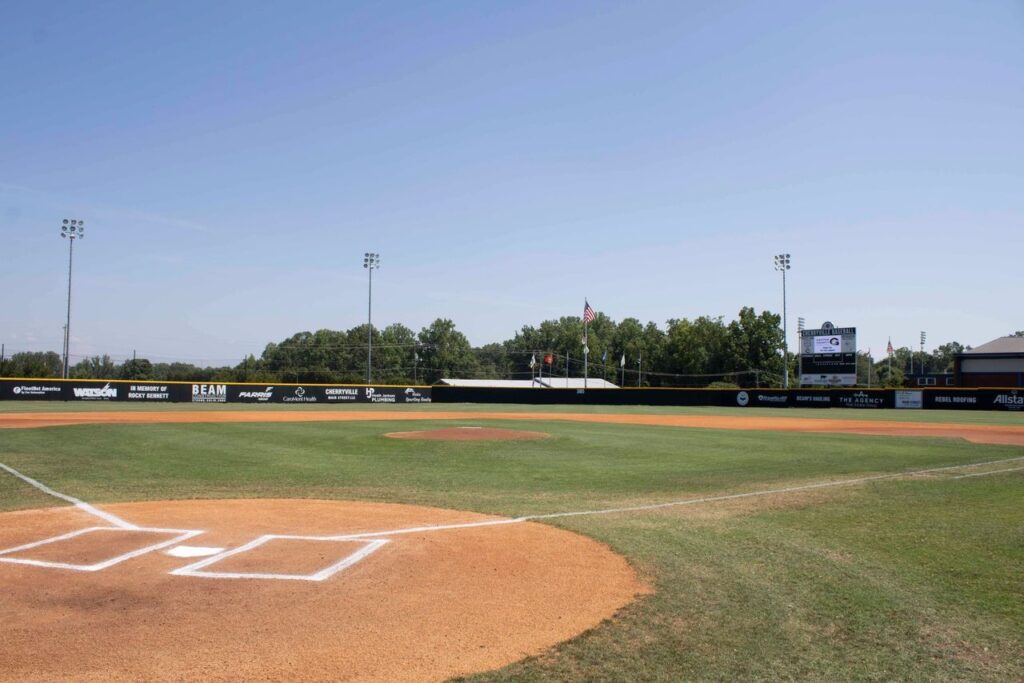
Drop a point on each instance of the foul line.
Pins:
(80, 504)
(196, 569)
(691, 501)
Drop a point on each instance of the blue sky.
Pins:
(233, 161)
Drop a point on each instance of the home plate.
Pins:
(193, 551)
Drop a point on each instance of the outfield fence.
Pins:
(134, 391)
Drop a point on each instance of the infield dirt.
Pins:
(991, 434)
(425, 606)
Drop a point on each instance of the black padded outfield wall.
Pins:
(866, 399)
(205, 392)
(321, 394)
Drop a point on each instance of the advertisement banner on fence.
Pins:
(148, 392)
(762, 398)
(974, 399)
(811, 399)
(862, 399)
(94, 392)
(909, 399)
(29, 390)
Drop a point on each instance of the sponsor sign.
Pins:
(1009, 400)
(812, 399)
(298, 395)
(255, 394)
(343, 394)
(375, 395)
(743, 399)
(104, 393)
(909, 399)
(859, 399)
(828, 344)
(411, 395)
(209, 393)
(148, 392)
(765, 399)
(36, 391)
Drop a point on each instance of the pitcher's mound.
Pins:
(469, 434)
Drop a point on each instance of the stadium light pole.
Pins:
(924, 336)
(70, 230)
(371, 261)
(782, 264)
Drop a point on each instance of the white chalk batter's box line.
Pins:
(180, 535)
(196, 568)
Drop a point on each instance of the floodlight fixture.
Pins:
(782, 262)
(371, 261)
(70, 229)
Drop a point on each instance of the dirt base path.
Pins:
(426, 605)
(992, 434)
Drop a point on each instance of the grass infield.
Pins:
(909, 579)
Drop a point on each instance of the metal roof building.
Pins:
(999, 363)
(536, 383)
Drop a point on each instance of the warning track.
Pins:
(987, 434)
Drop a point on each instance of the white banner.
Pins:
(828, 344)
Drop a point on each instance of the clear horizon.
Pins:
(233, 163)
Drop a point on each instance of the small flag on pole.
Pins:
(622, 361)
(889, 349)
(588, 313)
(533, 361)
(604, 356)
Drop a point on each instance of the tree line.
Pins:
(705, 351)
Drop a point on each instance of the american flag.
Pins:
(889, 348)
(588, 313)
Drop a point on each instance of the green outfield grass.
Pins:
(908, 579)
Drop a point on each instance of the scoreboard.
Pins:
(828, 356)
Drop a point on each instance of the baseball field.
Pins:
(433, 542)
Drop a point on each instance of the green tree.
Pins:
(393, 355)
(34, 364)
(95, 367)
(941, 359)
(696, 347)
(755, 343)
(136, 368)
(493, 361)
(446, 352)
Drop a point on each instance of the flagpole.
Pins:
(586, 350)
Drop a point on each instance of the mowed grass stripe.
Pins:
(581, 466)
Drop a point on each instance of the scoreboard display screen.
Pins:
(828, 364)
(828, 356)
